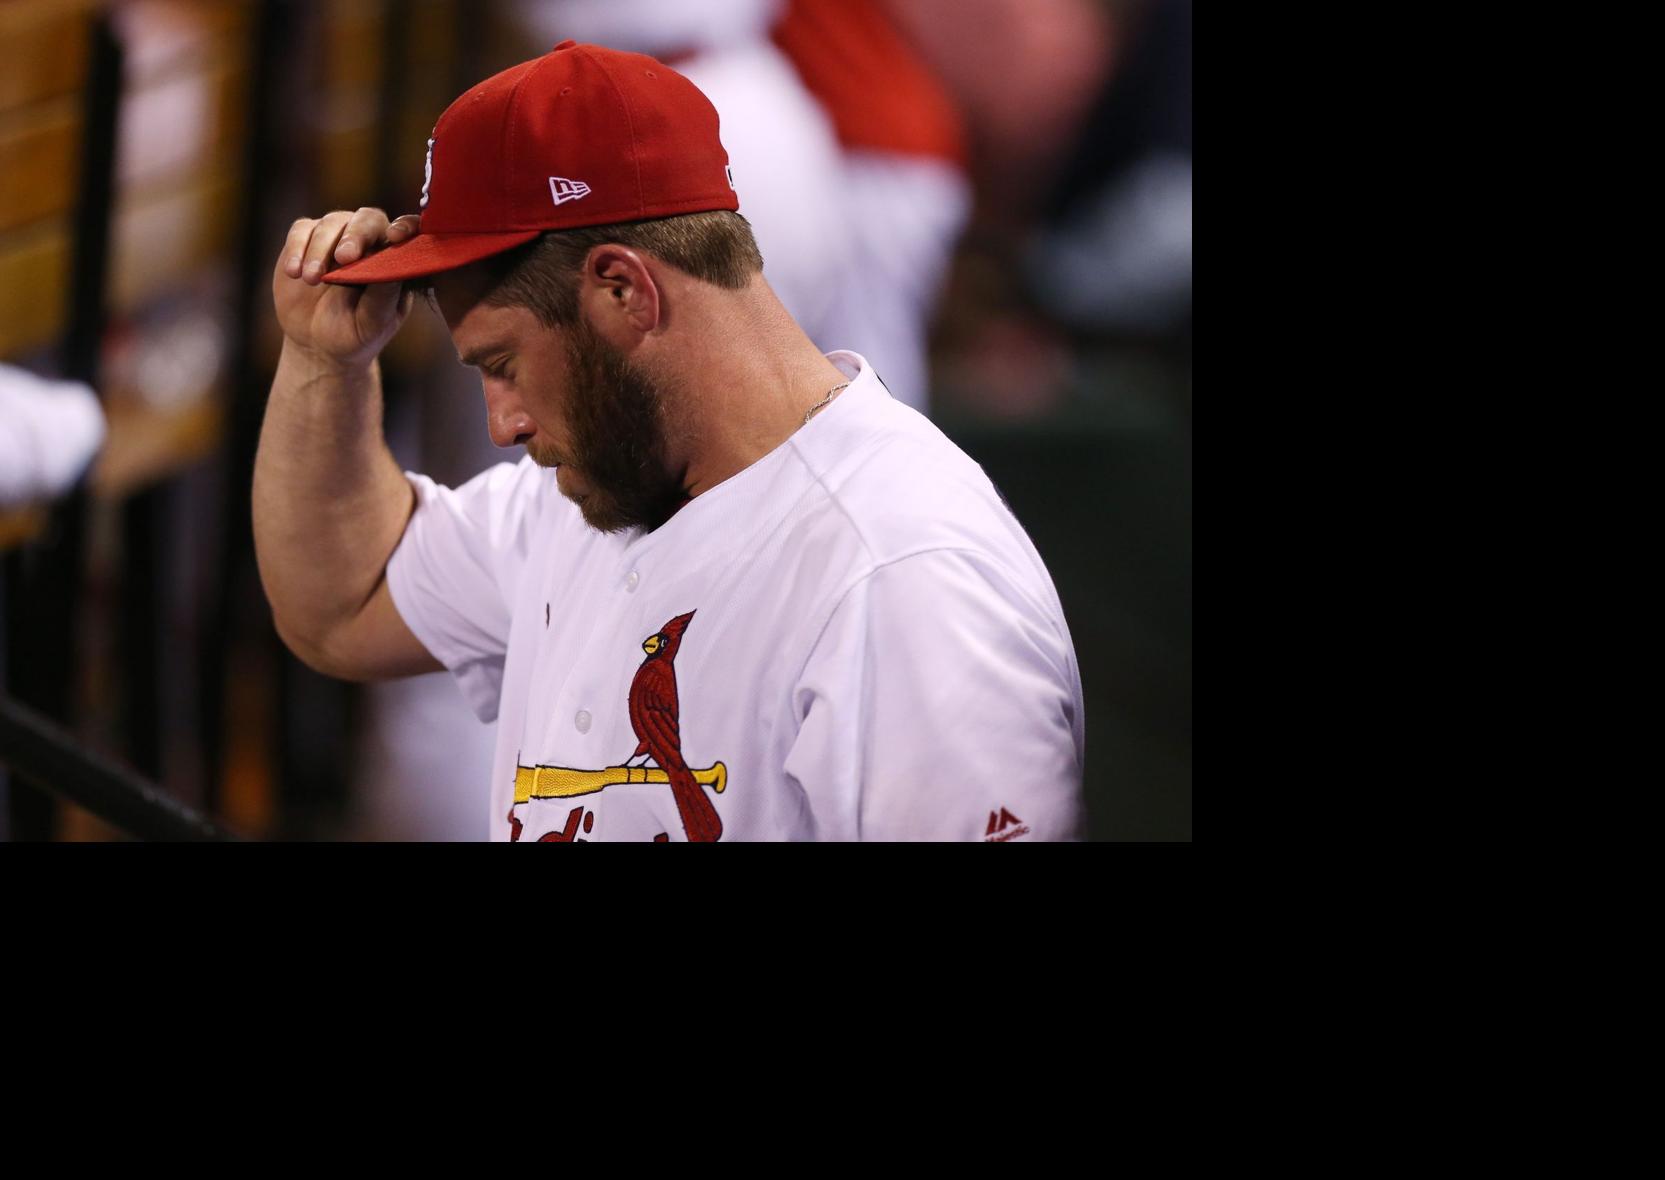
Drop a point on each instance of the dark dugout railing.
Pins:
(34, 748)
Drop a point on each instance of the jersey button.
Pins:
(632, 581)
(582, 721)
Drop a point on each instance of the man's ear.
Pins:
(619, 294)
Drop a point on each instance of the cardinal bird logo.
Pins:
(656, 719)
(654, 716)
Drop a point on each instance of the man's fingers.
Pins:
(341, 237)
(294, 246)
(365, 230)
(321, 245)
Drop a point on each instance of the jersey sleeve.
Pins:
(455, 572)
(941, 702)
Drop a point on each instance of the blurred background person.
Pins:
(903, 193)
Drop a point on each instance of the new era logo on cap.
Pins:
(564, 190)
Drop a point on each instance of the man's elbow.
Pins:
(327, 654)
(373, 643)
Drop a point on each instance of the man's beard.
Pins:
(615, 417)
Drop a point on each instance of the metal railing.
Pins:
(50, 758)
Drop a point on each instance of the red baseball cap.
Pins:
(580, 136)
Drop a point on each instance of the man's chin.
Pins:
(601, 514)
(607, 512)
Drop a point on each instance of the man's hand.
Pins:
(339, 325)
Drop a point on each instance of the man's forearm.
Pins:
(330, 502)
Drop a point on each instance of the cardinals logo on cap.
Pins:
(655, 716)
(427, 174)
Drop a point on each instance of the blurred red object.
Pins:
(873, 83)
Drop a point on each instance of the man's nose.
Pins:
(506, 419)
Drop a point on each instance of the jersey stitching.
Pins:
(834, 498)
(1041, 609)
(867, 574)
(1011, 522)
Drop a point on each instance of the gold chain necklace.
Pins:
(822, 403)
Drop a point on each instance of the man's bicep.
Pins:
(440, 602)
(379, 645)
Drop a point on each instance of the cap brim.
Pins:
(426, 254)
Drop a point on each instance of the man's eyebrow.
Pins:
(476, 355)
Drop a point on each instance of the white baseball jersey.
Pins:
(853, 638)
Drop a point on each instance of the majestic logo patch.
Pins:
(564, 190)
(655, 717)
(729, 170)
(1003, 826)
(427, 175)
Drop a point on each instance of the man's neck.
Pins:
(746, 375)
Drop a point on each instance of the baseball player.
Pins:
(426, 759)
(734, 590)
